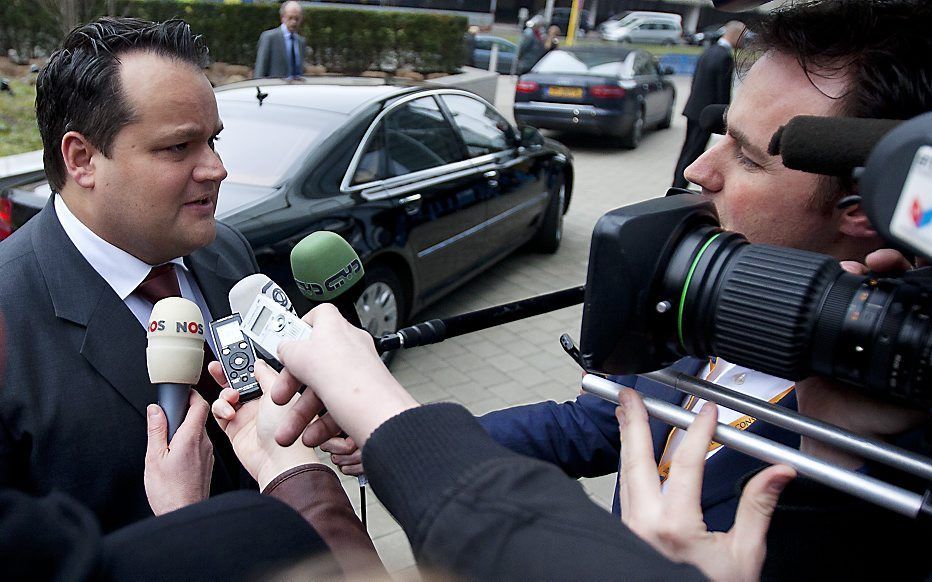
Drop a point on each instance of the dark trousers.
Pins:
(693, 147)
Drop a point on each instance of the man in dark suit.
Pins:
(281, 50)
(711, 85)
(128, 122)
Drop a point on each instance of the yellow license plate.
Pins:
(565, 92)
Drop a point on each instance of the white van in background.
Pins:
(644, 27)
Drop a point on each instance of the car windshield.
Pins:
(260, 144)
(585, 63)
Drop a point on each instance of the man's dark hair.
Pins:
(880, 47)
(80, 89)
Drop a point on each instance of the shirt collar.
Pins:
(121, 270)
(721, 41)
(285, 31)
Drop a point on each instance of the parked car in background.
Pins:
(706, 36)
(482, 54)
(615, 92)
(561, 17)
(430, 186)
(644, 27)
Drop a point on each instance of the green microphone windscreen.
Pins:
(324, 266)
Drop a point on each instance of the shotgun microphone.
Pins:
(832, 146)
(437, 330)
(175, 355)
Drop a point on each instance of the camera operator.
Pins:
(832, 57)
(827, 58)
(472, 508)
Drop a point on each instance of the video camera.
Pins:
(665, 281)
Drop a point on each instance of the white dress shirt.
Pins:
(124, 272)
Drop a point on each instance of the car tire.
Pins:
(382, 304)
(550, 233)
(632, 139)
(667, 120)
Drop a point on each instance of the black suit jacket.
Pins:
(56, 538)
(711, 82)
(72, 410)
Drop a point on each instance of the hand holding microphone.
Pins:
(251, 428)
(176, 475)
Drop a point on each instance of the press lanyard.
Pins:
(741, 423)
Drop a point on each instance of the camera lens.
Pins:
(793, 313)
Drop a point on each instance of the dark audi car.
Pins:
(615, 92)
(430, 186)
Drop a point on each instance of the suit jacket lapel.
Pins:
(114, 343)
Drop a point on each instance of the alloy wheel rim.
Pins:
(378, 309)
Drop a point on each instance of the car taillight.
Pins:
(607, 91)
(526, 87)
(6, 218)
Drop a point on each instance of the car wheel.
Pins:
(667, 119)
(634, 135)
(550, 233)
(382, 303)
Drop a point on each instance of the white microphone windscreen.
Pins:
(175, 352)
(244, 293)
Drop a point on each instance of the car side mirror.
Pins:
(530, 137)
(668, 70)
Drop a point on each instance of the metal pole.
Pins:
(574, 24)
(493, 58)
(791, 420)
(867, 488)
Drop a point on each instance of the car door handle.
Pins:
(411, 204)
(491, 174)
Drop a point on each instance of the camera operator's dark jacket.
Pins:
(473, 509)
(581, 437)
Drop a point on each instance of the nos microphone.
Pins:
(175, 355)
(326, 269)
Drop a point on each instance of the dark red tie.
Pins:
(161, 282)
(228, 473)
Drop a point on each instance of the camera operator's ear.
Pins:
(854, 223)
(78, 153)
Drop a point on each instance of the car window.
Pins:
(260, 145)
(613, 62)
(642, 64)
(417, 137)
(483, 129)
(373, 164)
(505, 47)
(484, 43)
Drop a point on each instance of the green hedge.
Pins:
(348, 41)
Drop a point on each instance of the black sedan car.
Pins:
(615, 92)
(430, 186)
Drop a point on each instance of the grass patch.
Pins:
(18, 130)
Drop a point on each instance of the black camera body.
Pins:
(666, 281)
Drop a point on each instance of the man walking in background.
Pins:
(281, 50)
(711, 86)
